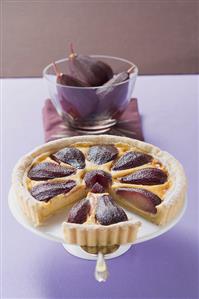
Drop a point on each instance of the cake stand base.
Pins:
(81, 253)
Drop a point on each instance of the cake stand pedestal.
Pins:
(81, 253)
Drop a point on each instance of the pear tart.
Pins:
(100, 175)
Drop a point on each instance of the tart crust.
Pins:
(95, 235)
(98, 235)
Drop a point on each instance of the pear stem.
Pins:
(131, 69)
(72, 52)
(57, 72)
(72, 49)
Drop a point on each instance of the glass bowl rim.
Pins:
(134, 74)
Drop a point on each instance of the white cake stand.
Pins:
(52, 229)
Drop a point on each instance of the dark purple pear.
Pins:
(97, 176)
(116, 79)
(79, 212)
(71, 156)
(146, 176)
(140, 198)
(131, 160)
(101, 154)
(67, 80)
(45, 191)
(97, 188)
(88, 69)
(48, 170)
(108, 212)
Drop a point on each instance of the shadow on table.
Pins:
(166, 267)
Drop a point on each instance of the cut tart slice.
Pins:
(98, 220)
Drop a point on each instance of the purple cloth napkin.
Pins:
(129, 123)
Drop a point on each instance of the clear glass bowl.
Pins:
(89, 108)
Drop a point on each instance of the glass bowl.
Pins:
(90, 108)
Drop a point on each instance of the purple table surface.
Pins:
(165, 267)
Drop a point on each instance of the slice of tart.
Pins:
(98, 220)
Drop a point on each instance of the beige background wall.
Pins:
(160, 36)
